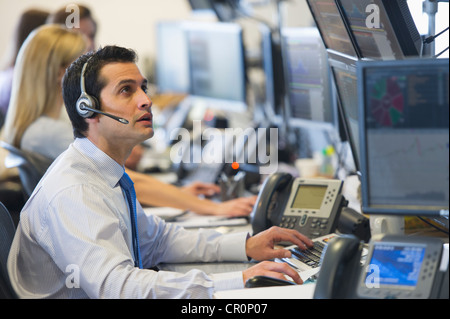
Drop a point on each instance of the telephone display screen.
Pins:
(396, 265)
(309, 196)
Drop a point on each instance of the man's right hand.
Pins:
(272, 269)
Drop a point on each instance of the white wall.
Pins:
(127, 23)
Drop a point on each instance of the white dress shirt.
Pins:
(74, 239)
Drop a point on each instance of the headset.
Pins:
(87, 105)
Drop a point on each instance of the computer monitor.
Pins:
(272, 64)
(226, 10)
(172, 67)
(332, 27)
(343, 70)
(217, 65)
(382, 29)
(307, 78)
(200, 4)
(404, 132)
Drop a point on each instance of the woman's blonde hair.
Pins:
(37, 77)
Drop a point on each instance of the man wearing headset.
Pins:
(81, 236)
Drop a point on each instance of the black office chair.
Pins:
(2, 119)
(31, 166)
(7, 231)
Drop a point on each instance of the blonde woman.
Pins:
(28, 21)
(36, 99)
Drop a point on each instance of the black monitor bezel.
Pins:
(345, 63)
(272, 65)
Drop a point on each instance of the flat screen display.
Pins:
(332, 27)
(307, 77)
(216, 61)
(404, 140)
(344, 75)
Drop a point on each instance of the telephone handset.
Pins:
(271, 197)
(340, 268)
(311, 206)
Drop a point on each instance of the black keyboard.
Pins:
(310, 258)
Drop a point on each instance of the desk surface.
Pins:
(305, 291)
(208, 268)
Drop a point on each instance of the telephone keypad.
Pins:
(312, 225)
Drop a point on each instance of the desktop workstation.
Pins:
(330, 93)
(368, 87)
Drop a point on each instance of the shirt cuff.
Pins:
(232, 247)
(228, 280)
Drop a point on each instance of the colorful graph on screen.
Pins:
(387, 102)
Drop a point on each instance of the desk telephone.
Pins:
(395, 267)
(311, 206)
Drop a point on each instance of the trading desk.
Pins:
(228, 226)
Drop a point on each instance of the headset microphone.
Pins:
(87, 104)
(83, 107)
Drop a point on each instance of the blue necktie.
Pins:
(128, 186)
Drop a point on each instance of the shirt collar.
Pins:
(109, 168)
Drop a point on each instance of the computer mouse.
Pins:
(264, 281)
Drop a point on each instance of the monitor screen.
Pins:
(172, 68)
(344, 74)
(332, 27)
(273, 70)
(307, 77)
(200, 4)
(382, 29)
(216, 64)
(404, 135)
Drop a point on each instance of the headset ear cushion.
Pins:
(95, 103)
(86, 101)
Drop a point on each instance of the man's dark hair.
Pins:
(93, 82)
